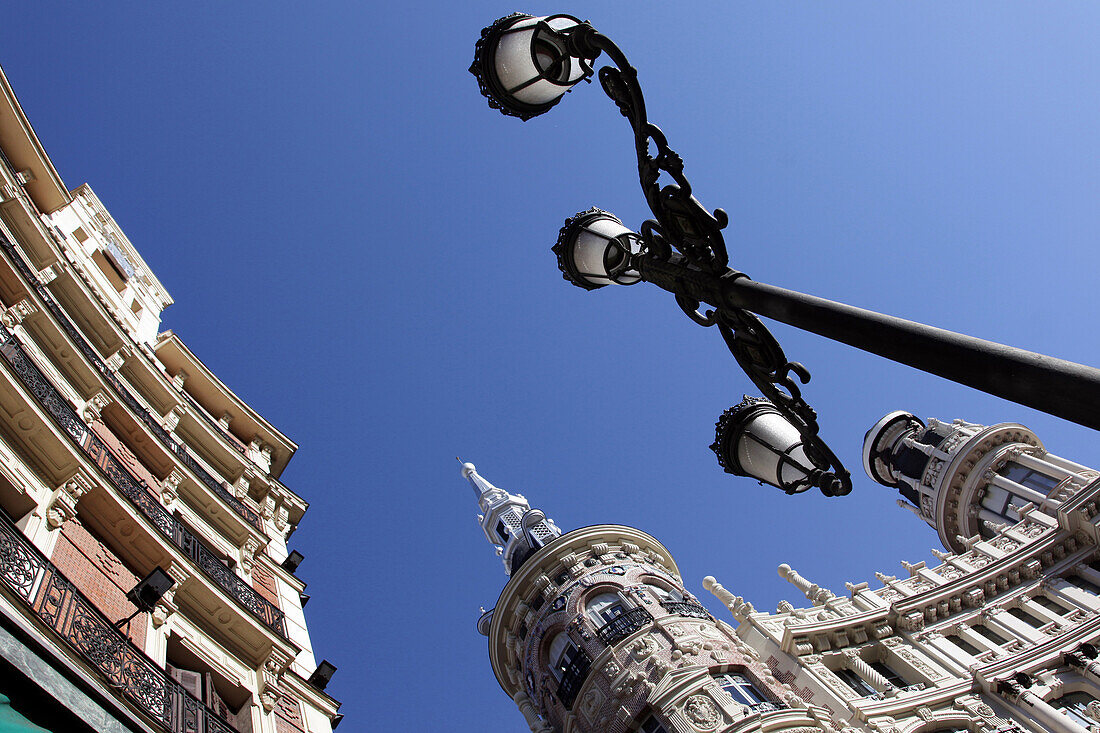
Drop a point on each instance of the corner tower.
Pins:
(965, 479)
(595, 631)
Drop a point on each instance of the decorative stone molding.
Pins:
(62, 507)
(172, 419)
(93, 408)
(49, 274)
(179, 378)
(169, 491)
(13, 316)
(248, 554)
(165, 607)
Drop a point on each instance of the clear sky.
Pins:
(360, 248)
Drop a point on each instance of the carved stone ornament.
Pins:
(591, 703)
(268, 698)
(702, 713)
(14, 315)
(642, 648)
(93, 408)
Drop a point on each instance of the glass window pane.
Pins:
(1029, 477)
(989, 633)
(891, 676)
(1075, 706)
(963, 644)
(1083, 584)
(1026, 617)
(857, 683)
(1050, 604)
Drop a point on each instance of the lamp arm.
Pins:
(695, 232)
(754, 347)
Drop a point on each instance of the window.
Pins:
(891, 676)
(204, 687)
(1029, 477)
(857, 683)
(1027, 618)
(963, 644)
(1083, 584)
(604, 608)
(652, 725)
(664, 594)
(1050, 604)
(1074, 705)
(740, 688)
(989, 633)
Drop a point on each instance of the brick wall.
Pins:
(264, 583)
(125, 456)
(288, 715)
(98, 573)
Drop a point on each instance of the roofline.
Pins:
(47, 190)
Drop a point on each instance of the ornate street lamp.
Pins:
(524, 65)
(754, 439)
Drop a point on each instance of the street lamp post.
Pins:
(524, 65)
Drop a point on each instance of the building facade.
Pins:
(121, 453)
(594, 630)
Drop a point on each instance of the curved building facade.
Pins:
(145, 578)
(596, 631)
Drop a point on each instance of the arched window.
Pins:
(740, 688)
(604, 608)
(560, 655)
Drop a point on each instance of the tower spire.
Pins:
(508, 521)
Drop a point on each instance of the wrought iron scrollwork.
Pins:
(685, 608)
(130, 487)
(695, 232)
(124, 394)
(56, 601)
(624, 625)
(684, 225)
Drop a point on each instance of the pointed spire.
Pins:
(508, 521)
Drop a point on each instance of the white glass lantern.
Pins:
(523, 65)
(754, 439)
(595, 249)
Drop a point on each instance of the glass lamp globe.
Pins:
(595, 249)
(523, 66)
(754, 439)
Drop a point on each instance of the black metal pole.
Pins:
(1055, 386)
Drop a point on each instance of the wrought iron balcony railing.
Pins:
(130, 487)
(124, 394)
(624, 625)
(574, 676)
(765, 707)
(685, 608)
(25, 572)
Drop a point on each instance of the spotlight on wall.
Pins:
(293, 561)
(147, 592)
(322, 675)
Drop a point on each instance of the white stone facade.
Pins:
(1003, 634)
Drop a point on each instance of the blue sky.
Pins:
(360, 247)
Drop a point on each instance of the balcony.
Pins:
(54, 600)
(127, 397)
(685, 608)
(624, 625)
(130, 487)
